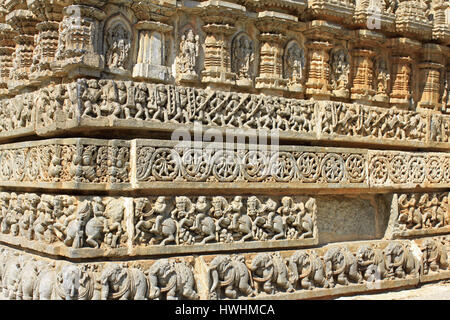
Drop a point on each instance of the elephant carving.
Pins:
(68, 284)
(29, 276)
(172, 279)
(230, 275)
(341, 266)
(270, 270)
(11, 277)
(122, 283)
(307, 270)
(371, 263)
(400, 261)
(434, 256)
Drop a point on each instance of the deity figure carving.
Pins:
(382, 78)
(118, 39)
(188, 54)
(294, 64)
(340, 71)
(243, 56)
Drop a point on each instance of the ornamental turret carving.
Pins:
(23, 21)
(79, 43)
(412, 19)
(403, 80)
(272, 37)
(49, 13)
(7, 48)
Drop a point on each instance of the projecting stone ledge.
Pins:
(156, 165)
(86, 227)
(85, 106)
(326, 271)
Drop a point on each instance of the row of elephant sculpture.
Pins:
(225, 276)
(27, 278)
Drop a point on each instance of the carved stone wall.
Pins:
(235, 149)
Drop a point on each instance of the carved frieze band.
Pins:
(137, 164)
(417, 214)
(94, 226)
(77, 226)
(152, 164)
(327, 271)
(142, 106)
(66, 160)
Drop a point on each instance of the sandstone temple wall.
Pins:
(235, 149)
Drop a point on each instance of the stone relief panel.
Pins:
(143, 162)
(70, 161)
(27, 277)
(300, 273)
(305, 166)
(375, 123)
(62, 107)
(118, 41)
(200, 220)
(62, 220)
(17, 114)
(435, 252)
(422, 213)
(242, 59)
(326, 271)
(393, 168)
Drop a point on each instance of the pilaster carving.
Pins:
(273, 39)
(318, 81)
(218, 49)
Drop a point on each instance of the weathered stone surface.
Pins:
(302, 274)
(108, 104)
(223, 149)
